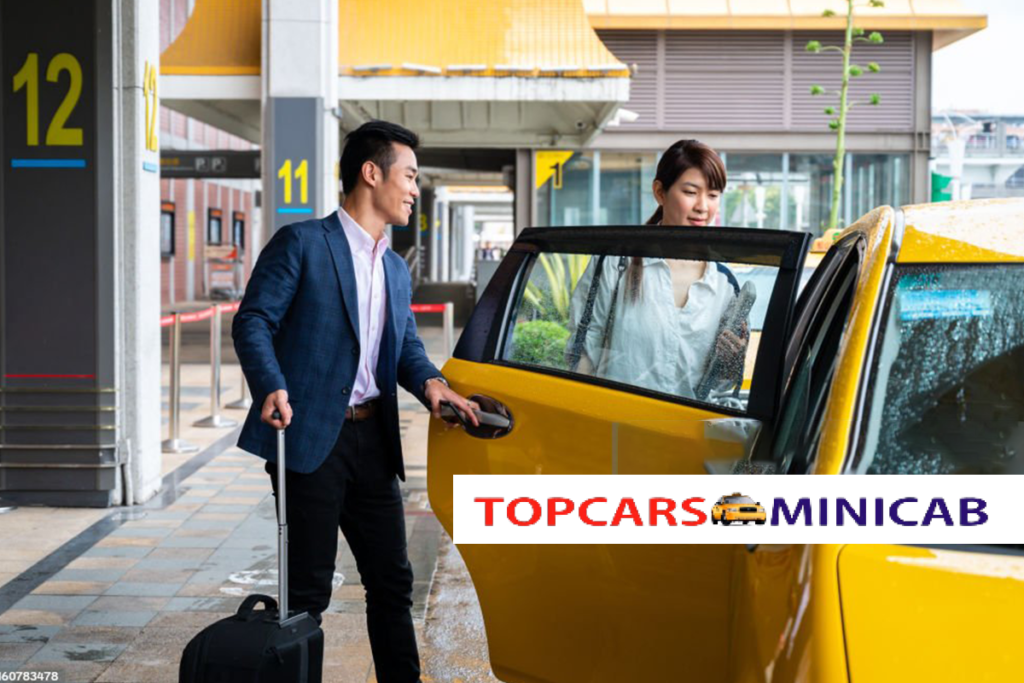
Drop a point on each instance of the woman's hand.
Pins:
(731, 347)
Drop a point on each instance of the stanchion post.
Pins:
(449, 329)
(245, 401)
(174, 443)
(215, 419)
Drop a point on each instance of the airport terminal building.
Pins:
(530, 112)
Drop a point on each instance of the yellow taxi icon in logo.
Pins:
(737, 508)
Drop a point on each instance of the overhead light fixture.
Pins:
(467, 68)
(421, 68)
(371, 68)
(515, 68)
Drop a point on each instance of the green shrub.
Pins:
(540, 342)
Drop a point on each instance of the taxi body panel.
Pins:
(957, 606)
(619, 605)
(742, 614)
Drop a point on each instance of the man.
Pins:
(324, 335)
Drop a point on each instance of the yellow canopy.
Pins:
(538, 38)
(949, 19)
(471, 38)
(222, 37)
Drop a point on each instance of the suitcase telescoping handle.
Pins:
(282, 531)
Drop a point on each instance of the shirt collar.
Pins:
(358, 238)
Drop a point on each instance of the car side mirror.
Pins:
(757, 503)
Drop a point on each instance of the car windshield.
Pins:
(732, 500)
(945, 395)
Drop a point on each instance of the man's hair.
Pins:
(372, 141)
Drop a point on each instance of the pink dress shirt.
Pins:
(368, 264)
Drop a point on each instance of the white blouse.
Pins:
(654, 343)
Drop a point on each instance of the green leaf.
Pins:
(833, 124)
(876, 3)
(814, 46)
(876, 38)
(858, 31)
(873, 67)
(856, 71)
(830, 111)
(876, 99)
(817, 90)
(828, 13)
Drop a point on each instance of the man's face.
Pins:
(395, 194)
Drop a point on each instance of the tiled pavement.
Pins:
(123, 610)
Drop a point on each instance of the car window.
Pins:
(945, 394)
(687, 329)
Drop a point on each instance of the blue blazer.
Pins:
(297, 329)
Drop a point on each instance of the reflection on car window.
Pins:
(685, 328)
(947, 395)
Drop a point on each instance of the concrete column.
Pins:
(300, 131)
(191, 238)
(467, 244)
(137, 210)
(525, 207)
(920, 177)
(80, 356)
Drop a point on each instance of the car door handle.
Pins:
(494, 418)
(489, 419)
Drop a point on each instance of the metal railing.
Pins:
(174, 443)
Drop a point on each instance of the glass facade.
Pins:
(599, 188)
(783, 191)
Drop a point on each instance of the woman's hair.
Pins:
(674, 162)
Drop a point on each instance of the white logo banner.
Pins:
(925, 509)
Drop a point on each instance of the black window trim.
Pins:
(209, 223)
(168, 208)
(485, 332)
(829, 275)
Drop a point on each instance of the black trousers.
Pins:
(355, 490)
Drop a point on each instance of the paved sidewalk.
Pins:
(114, 595)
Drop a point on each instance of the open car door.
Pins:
(634, 400)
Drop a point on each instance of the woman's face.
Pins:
(688, 201)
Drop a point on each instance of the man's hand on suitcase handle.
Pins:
(276, 411)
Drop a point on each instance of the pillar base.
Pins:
(178, 446)
(216, 421)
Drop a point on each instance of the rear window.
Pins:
(946, 394)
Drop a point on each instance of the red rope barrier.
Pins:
(427, 308)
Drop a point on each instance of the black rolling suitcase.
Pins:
(266, 645)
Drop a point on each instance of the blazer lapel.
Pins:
(390, 284)
(341, 253)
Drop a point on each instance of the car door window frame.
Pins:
(495, 314)
(818, 311)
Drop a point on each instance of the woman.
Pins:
(656, 323)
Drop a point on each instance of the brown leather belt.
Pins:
(363, 411)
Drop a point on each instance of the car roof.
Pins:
(976, 231)
(973, 231)
(969, 231)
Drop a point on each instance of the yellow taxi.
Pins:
(737, 508)
(902, 354)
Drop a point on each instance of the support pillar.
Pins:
(300, 130)
(80, 255)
